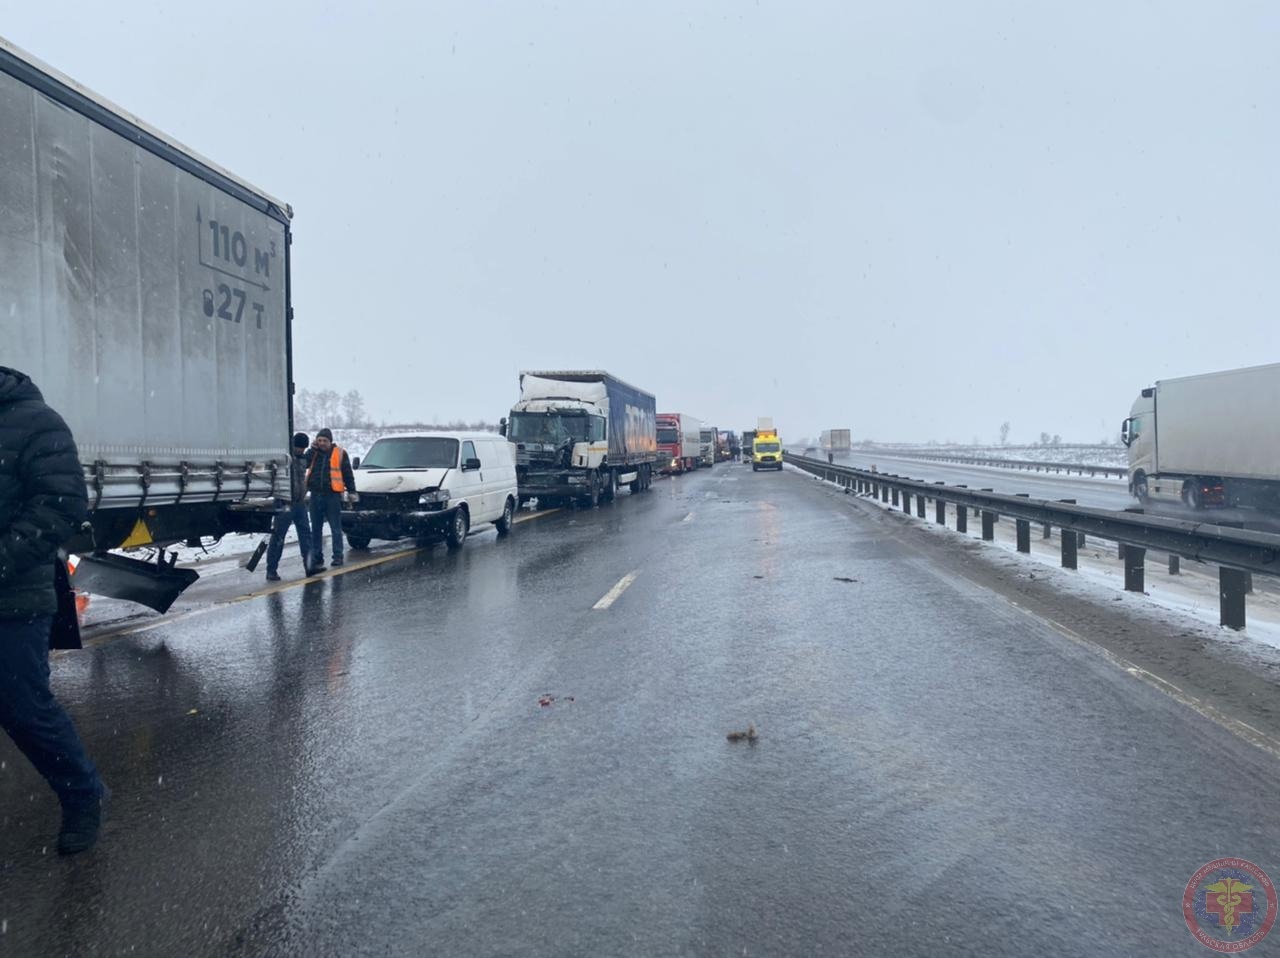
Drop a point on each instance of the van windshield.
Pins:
(408, 452)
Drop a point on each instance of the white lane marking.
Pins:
(687, 518)
(611, 596)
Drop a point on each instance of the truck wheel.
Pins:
(358, 542)
(610, 486)
(507, 519)
(1191, 494)
(457, 533)
(1140, 487)
(755, 467)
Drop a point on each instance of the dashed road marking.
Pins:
(688, 518)
(612, 595)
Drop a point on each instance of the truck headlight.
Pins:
(437, 498)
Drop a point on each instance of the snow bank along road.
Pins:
(521, 748)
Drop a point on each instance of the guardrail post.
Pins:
(988, 526)
(1248, 576)
(884, 493)
(920, 505)
(1069, 556)
(962, 518)
(894, 493)
(1080, 540)
(906, 501)
(1175, 565)
(939, 512)
(1046, 532)
(1069, 543)
(1231, 592)
(1022, 528)
(1134, 579)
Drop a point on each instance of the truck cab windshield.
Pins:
(412, 453)
(554, 428)
(667, 437)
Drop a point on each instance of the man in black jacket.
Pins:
(330, 482)
(295, 513)
(42, 503)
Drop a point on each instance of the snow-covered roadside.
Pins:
(1192, 595)
(1114, 456)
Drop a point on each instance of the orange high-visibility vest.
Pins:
(335, 470)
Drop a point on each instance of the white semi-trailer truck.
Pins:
(146, 293)
(1208, 441)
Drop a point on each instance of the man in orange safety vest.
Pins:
(330, 482)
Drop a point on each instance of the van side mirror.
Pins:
(470, 464)
(355, 463)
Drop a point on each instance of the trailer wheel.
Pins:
(1191, 493)
(610, 486)
(358, 542)
(457, 533)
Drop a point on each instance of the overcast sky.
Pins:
(913, 220)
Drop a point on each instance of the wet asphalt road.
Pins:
(363, 766)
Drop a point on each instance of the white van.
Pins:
(432, 485)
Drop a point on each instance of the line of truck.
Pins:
(149, 296)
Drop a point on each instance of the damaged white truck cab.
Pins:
(579, 436)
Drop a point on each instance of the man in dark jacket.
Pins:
(330, 482)
(42, 504)
(295, 513)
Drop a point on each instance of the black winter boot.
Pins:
(81, 822)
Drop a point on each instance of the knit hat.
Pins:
(301, 440)
(325, 433)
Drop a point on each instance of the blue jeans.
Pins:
(33, 718)
(295, 514)
(326, 507)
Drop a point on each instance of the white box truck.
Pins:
(1208, 441)
(836, 441)
(146, 293)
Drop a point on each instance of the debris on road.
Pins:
(748, 736)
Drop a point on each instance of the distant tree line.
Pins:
(328, 407)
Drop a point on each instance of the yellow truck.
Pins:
(766, 448)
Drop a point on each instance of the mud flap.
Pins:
(147, 583)
(252, 564)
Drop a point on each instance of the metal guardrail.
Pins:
(1031, 465)
(1238, 553)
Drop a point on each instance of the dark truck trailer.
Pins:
(579, 436)
(148, 295)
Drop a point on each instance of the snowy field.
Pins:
(1083, 454)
